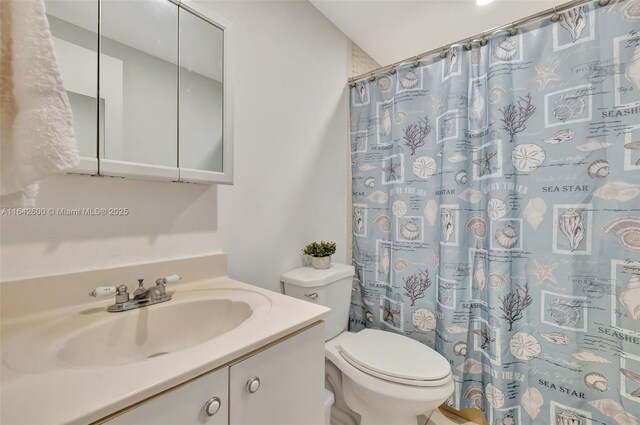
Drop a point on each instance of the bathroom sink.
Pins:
(94, 338)
(127, 338)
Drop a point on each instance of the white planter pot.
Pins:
(321, 262)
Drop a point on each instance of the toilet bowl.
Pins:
(387, 378)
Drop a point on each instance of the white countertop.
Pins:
(81, 395)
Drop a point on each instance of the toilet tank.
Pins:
(330, 288)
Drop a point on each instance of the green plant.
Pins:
(320, 249)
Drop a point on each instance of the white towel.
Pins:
(36, 124)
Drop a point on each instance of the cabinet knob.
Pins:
(253, 384)
(212, 406)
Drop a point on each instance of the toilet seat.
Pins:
(395, 358)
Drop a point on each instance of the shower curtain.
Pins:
(496, 216)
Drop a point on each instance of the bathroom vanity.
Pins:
(219, 352)
(265, 387)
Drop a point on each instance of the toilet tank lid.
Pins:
(308, 276)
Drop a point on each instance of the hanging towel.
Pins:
(36, 123)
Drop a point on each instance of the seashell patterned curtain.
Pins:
(496, 216)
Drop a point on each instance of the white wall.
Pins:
(390, 31)
(291, 137)
(290, 68)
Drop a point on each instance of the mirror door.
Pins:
(201, 98)
(139, 89)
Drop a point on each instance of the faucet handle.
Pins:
(103, 291)
(160, 289)
(174, 278)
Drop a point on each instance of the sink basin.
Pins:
(94, 338)
(153, 332)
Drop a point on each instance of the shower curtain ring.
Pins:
(469, 45)
(483, 40)
(603, 2)
(513, 30)
(352, 82)
(371, 77)
(555, 17)
(416, 62)
(393, 69)
(443, 53)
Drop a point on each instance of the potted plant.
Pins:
(320, 253)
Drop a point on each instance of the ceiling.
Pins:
(390, 31)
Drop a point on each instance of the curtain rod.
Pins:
(511, 29)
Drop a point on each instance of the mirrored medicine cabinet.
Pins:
(150, 87)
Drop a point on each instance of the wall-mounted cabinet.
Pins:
(150, 88)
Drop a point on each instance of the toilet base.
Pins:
(376, 410)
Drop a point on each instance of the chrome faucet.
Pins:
(142, 296)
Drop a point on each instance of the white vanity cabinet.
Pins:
(184, 405)
(291, 383)
(280, 384)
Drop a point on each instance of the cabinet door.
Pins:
(201, 90)
(205, 115)
(291, 389)
(184, 405)
(139, 89)
(74, 27)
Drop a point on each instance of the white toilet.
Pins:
(388, 379)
